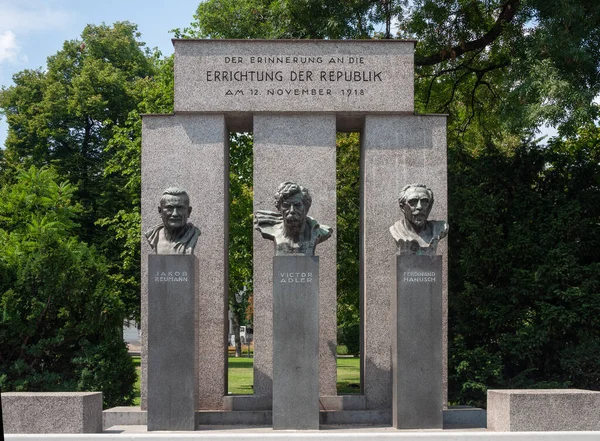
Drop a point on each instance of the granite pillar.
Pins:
(417, 343)
(299, 148)
(396, 150)
(172, 345)
(191, 151)
(296, 343)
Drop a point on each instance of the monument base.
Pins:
(172, 353)
(295, 343)
(417, 361)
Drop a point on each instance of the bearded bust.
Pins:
(290, 228)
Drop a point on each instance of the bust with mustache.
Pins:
(290, 228)
(413, 233)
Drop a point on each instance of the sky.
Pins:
(32, 30)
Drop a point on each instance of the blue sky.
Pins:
(31, 30)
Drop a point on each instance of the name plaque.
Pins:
(294, 76)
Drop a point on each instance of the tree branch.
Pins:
(509, 10)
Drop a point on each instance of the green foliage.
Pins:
(240, 231)
(81, 115)
(348, 233)
(524, 309)
(61, 316)
(275, 19)
(349, 336)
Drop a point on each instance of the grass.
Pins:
(136, 359)
(241, 376)
(348, 375)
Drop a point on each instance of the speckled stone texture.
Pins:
(536, 410)
(172, 345)
(296, 343)
(52, 412)
(328, 75)
(298, 148)
(417, 343)
(191, 151)
(396, 151)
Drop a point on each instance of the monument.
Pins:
(295, 306)
(294, 96)
(172, 317)
(417, 361)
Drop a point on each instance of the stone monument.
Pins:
(172, 286)
(417, 361)
(294, 96)
(295, 306)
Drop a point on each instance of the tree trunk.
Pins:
(235, 322)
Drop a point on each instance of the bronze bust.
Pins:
(175, 235)
(413, 233)
(291, 229)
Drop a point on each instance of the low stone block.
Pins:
(124, 416)
(52, 412)
(534, 410)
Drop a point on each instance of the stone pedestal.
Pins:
(417, 362)
(296, 342)
(172, 346)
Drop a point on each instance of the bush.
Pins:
(60, 313)
(349, 336)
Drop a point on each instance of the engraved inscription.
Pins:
(315, 76)
(418, 276)
(171, 276)
(296, 277)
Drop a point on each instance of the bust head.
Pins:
(416, 201)
(174, 209)
(293, 202)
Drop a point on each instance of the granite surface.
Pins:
(172, 345)
(299, 148)
(417, 344)
(540, 410)
(294, 76)
(396, 151)
(191, 151)
(295, 343)
(52, 412)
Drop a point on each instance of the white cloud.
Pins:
(28, 16)
(9, 49)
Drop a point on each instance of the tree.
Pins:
(67, 114)
(348, 233)
(61, 316)
(506, 64)
(240, 231)
(523, 254)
